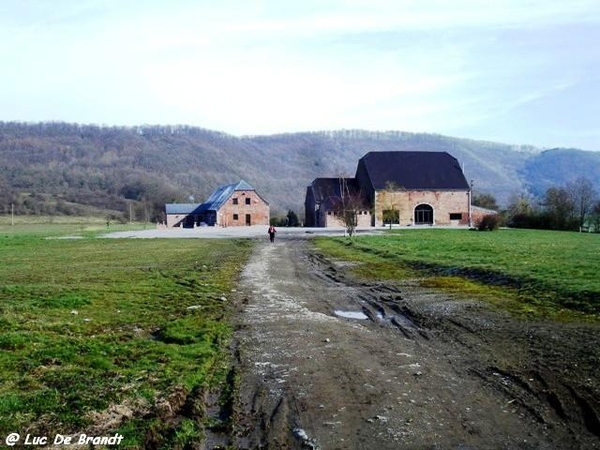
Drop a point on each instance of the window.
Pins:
(423, 215)
(235, 201)
(455, 216)
(235, 217)
(248, 200)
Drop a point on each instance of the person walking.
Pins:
(272, 232)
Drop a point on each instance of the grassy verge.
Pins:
(534, 272)
(61, 226)
(93, 328)
(7, 219)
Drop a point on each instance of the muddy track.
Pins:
(325, 361)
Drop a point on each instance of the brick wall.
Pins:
(443, 203)
(232, 214)
(478, 214)
(329, 219)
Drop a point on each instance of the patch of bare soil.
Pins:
(328, 362)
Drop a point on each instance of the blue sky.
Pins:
(513, 71)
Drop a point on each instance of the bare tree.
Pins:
(583, 196)
(559, 206)
(521, 208)
(595, 216)
(349, 204)
(485, 201)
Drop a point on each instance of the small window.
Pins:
(235, 216)
(248, 200)
(235, 201)
(455, 216)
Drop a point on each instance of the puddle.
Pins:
(359, 315)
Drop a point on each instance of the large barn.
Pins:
(236, 204)
(405, 188)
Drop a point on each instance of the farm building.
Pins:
(405, 188)
(324, 202)
(236, 204)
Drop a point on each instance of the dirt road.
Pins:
(328, 362)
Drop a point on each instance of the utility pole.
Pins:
(146, 215)
(12, 214)
(470, 197)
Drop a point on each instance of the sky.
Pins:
(512, 71)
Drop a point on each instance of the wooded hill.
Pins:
(60, 168)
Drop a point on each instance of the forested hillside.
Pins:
(560, 166)
(59, 168)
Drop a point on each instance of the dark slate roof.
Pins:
(414, 170)
(327, 191)
(323, 188)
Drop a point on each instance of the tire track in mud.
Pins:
(410, 368)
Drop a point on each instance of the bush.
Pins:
(543, 221)
(489, 222)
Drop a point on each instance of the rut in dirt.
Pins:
(326, 361)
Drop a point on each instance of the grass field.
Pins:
(62, 225)
(527, 271)
(93, 325)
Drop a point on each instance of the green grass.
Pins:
(61, 226)
(92, 323)
(536, 272)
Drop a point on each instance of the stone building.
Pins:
(237, 204)
(324, 196)
(405, 188)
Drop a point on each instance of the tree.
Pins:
(595, 217)
(292, 219)
(559, 207)
(520, 209)
(487, 201)
(583, 196)
(349, 204)
(390, 215)
(520, 203)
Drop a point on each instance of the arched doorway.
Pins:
(423, 215)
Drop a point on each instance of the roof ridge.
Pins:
(243, 185)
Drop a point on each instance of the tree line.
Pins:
(574, 206)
